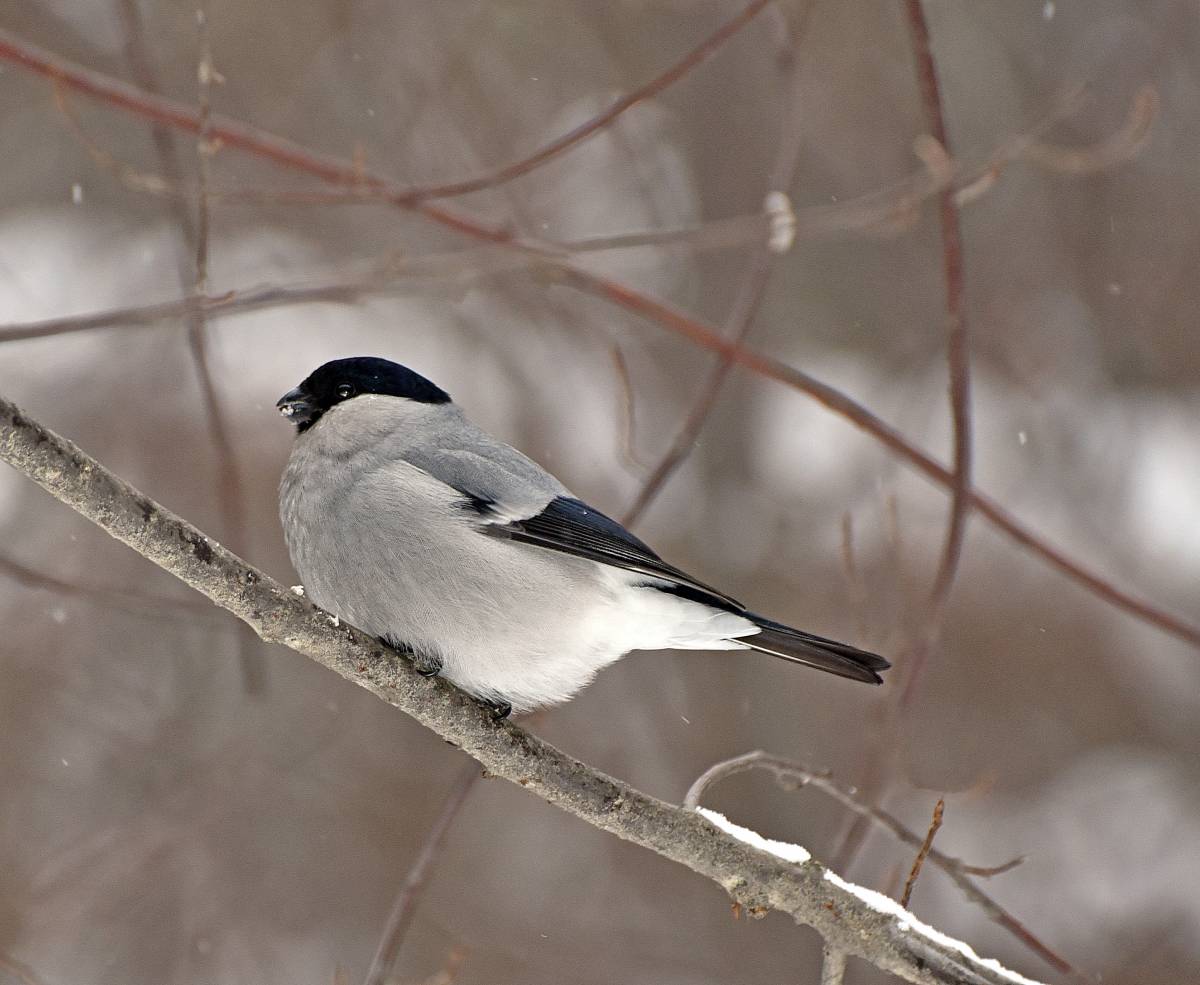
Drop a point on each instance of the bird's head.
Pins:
(345, 379)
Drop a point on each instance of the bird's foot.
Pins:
(425, 662)
(500, 709)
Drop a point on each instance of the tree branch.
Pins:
(787, 771)
(754, 877)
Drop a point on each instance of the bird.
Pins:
(408, 521)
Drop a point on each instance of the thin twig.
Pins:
(628, 410)
(205, 148)
(1119, 147)
(665, 316)
(405, 905)
(807, 891)
(934, 148)
(789, 772)
(923, 852)
(750, 293)
(590, 127)
(193, 280)
(958, 355)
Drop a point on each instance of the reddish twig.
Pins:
(936, 152)
(923, 852)
(788, 772)
(590, 127)
(958, 352)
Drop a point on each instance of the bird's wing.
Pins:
(514, 498)
(568, 525)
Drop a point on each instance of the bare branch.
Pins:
(787, 771)
(194, 237)
(749, 296)
(957, 353)
(756, 878)
(1115, 150)
(589, 128)
(405, 905)
(923, 852)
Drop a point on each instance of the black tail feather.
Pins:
(804, 648)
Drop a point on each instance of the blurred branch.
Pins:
(135, 603)
(750, 292)
(575, 136)
(935, 150)
(790, 773)
(807, 891)
(194, 236)
(1119, 147)
(19, 970)
(957, 353)
(405, 905)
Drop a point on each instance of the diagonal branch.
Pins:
(840, 913)
(577, 135)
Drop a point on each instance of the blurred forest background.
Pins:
(180, 804)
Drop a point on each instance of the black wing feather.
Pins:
(572, 527)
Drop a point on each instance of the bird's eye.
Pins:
(345, 391)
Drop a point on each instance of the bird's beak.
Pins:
(296, 407)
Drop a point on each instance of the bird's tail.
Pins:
(799, 647)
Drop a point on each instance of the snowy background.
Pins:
(159, 824)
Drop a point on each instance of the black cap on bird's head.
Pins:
(345, 379)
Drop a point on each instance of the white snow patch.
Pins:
(885, 904)
(781, 849)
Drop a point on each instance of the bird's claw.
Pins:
(500, 709)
